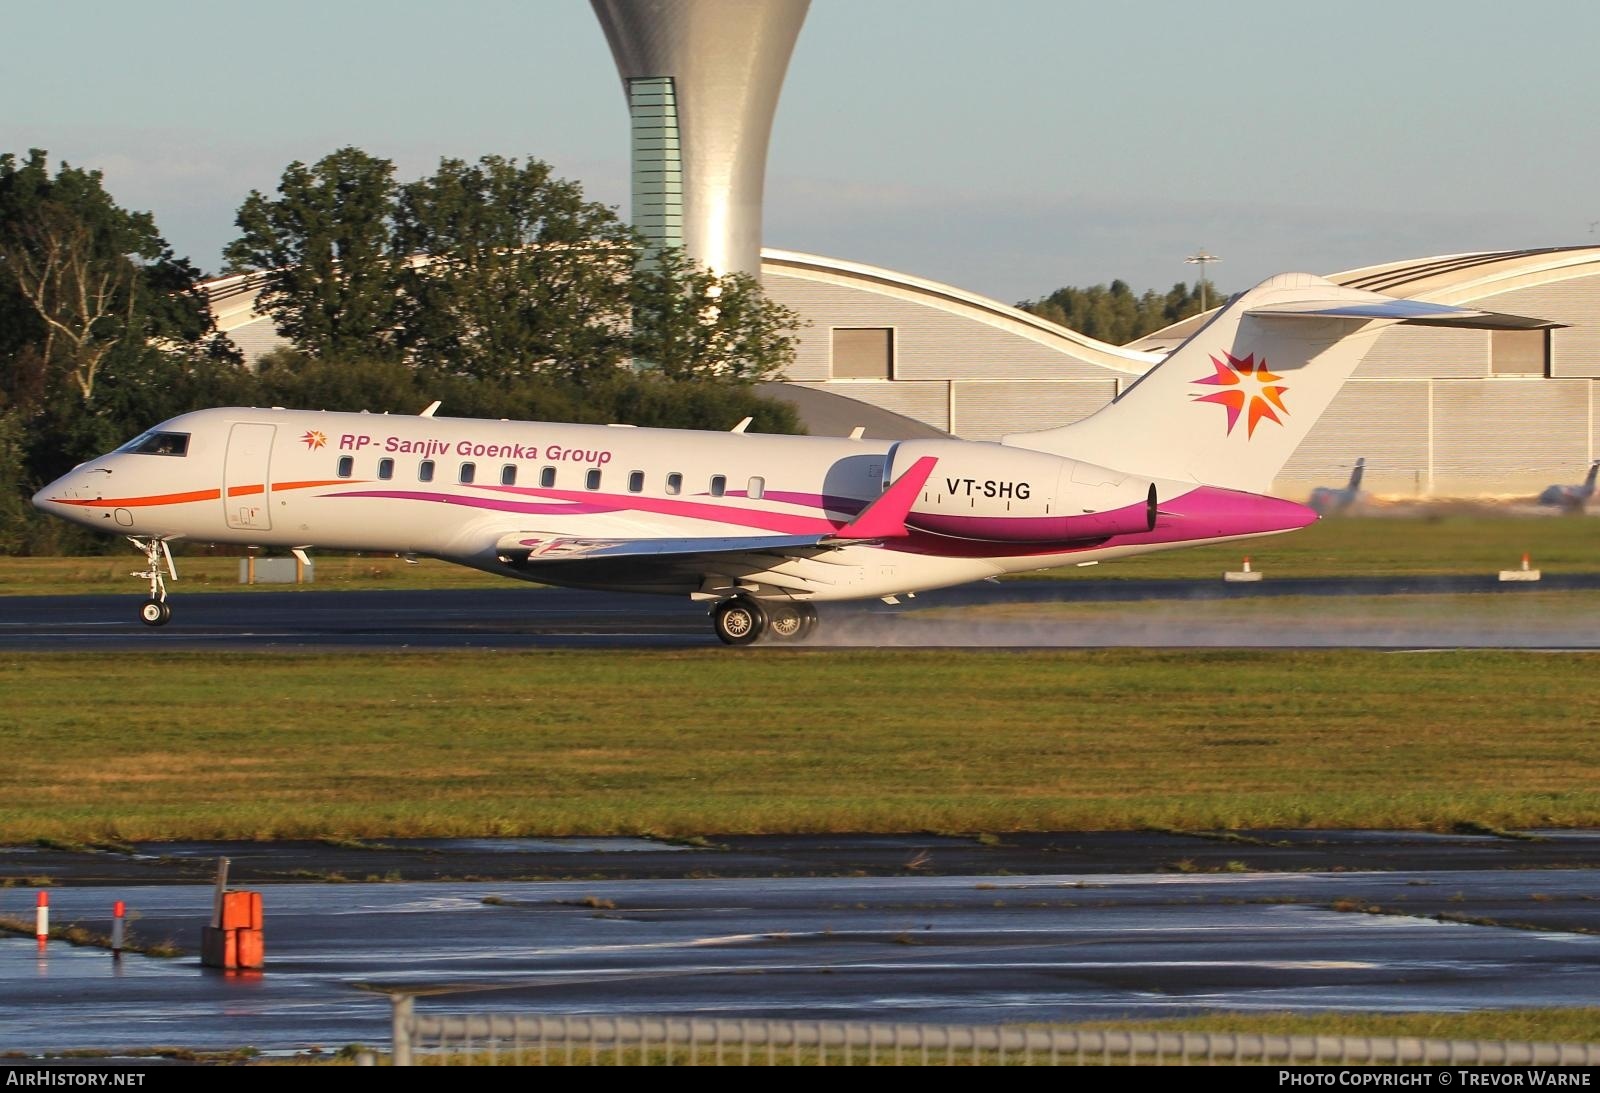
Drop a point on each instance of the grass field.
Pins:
(1440, 543)
(192, 745)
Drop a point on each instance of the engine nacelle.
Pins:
(993, 493)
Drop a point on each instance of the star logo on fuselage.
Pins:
(1248, 390)
(314, 439)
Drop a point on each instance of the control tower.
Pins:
(702, 79)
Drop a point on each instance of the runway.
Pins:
(975, 946)
(1482, 613)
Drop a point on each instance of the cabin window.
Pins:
(547, 478)
(508, 475)
(469, 471)
(425, 471)
(591, 481)
(158, 444)
(758, 488)
(636, 482)
(674, 483)
(347, 464)
(386, 469)
(719, 485)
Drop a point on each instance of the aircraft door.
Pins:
(246, 489)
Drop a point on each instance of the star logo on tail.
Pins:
(1248, 390)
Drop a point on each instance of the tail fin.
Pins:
(1355, 476)
(1230, 405)
(1588, 483)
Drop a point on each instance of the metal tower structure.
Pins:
(702, 79)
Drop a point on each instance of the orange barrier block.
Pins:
(251, 948)
(241, 910)
(239, 942)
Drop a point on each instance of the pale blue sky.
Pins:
(1007, 147)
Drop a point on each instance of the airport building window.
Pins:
(547, 478)
(719, 485)
(425, 471)
(469, 471)
(863, 354)
(591, 481)
(1519, 352)
(636, 482)
(674, 483)
(758, 488)
(347, 464)
(386, 469)
(508, 475)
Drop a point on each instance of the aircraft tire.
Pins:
(739, 621)
(808, 615)
(787, 621)
(154, 613)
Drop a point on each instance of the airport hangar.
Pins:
(1436, 413)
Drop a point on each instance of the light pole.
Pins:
(1200, 259)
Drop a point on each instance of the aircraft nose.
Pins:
(42, 501)
(57, 497)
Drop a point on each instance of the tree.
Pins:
(1113, 313)
(82, 279)
(515, 273)
(103, 332)
(325, 244)
(689, 323)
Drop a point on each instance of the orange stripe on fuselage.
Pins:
(143, 502)
(200, 495)
(319, 482)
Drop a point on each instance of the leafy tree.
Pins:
(102, 330)
(1112, 313)
(82, 281)
(325, 244)
(516, 272)
(689, 323)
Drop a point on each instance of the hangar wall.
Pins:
(1426, 408)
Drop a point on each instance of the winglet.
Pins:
(885, 518)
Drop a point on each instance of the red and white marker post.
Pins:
(41, 919)
(118, 909)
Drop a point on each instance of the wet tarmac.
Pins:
(1042, 928)
(1484, 613)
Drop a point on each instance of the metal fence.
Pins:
(528, 1039)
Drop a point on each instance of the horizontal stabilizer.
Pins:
(532, 548)
(1415, 312)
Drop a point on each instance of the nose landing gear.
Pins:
(743, 620)
(154, 611)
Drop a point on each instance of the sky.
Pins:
(1006, 147)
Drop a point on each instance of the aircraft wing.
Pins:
(884, 518)
(1415, 312)
(532, 548)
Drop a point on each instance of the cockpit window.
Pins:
(154, 443)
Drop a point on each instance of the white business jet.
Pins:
(762, 528)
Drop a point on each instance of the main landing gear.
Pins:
(154, 611)
(743, 620)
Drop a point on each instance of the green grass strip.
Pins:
(371, 745)
(1428, 541)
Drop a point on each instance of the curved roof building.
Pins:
(1434, 412)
